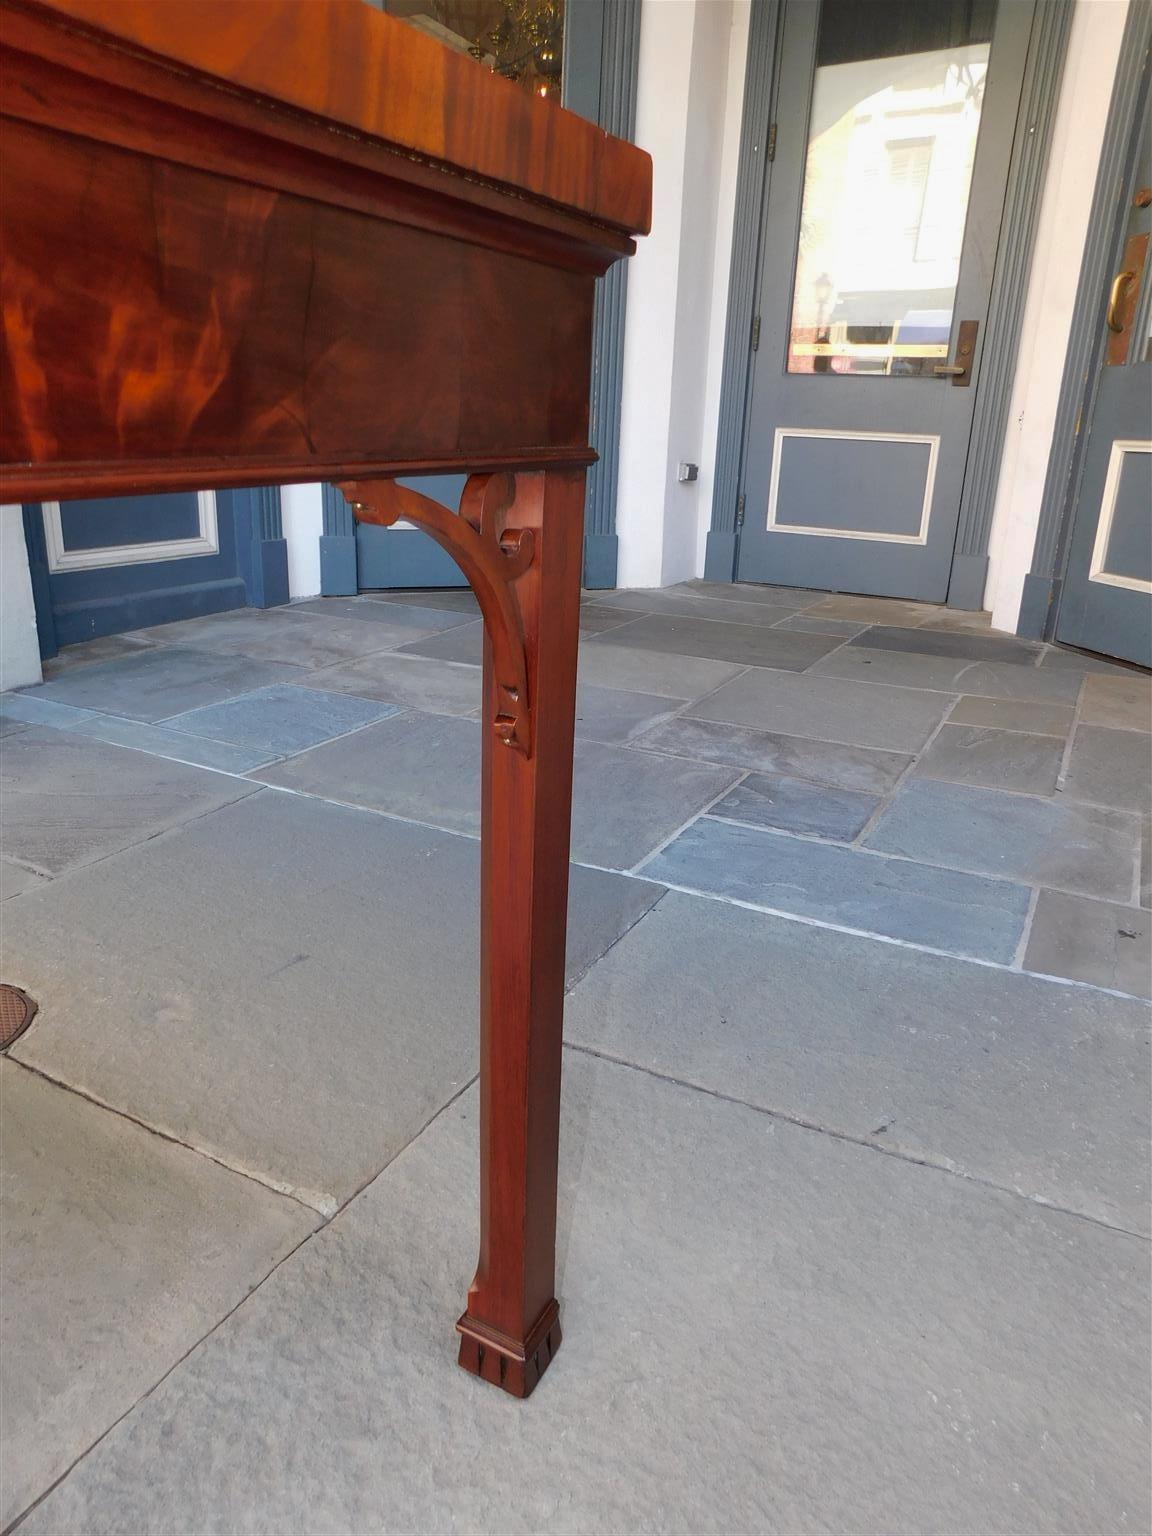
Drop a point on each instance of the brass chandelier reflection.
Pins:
(526, 44)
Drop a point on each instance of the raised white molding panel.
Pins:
(920, 537)
(1096, 569)
(206, 542)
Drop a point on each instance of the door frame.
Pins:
(1043, 585)
(1040, 89)
(601, 71)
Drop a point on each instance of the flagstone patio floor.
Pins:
(854, 1227)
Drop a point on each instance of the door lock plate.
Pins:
(960, 372)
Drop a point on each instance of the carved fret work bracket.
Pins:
(493, 556)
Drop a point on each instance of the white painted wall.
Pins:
(1093, 53)
(19, 646)
(303, 522)
(687, 117)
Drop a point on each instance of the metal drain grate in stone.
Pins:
(17, 1010)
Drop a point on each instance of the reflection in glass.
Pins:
(519, 39)
(896, 105)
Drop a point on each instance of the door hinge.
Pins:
(771, 146)
(756, 334)
(740, 500)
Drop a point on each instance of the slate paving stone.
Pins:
(281, 720)
(25, 709)
(1057, 659)
(14, 879)
(1078, 848)
(464, 643)
(919, 903)
(69, 799)
(105, 648)
(427, 769)
(10, 726)
(872, 610)
(1013, 715)
(161, 681)
(828, 709)
(280, 634)
(673, 677)
(413, 682)
(695, 605)
(221, 756)
(616, 716)
(120, 1252)
(408, 616)
(977, 754)
(813, 624)
(1045, 1084)
(958, 618)
(824, 762)
(1121, 703)
(1100, 942)
(746, 644)
(1146, 863)
(455, 599)
(595, 620)
(819, 1337)
(949, 674)
(747, 592)
(939, 642)
(796, 805)
(1107, 767)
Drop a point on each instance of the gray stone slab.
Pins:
(1031, 1085)
(950, 674)
(454, 599)
(1009, 649)
(163, 680)
(32, 709)
(14, 879)
(427, 768)
(765, 1330)
(289, 986)
(1107, 767)
(749, 645)
(1014, 715)
(1058, 659)
(282, 634)
(614, 715)
(221, 756)
(796, 805)
(1122, 703)
(409, 616)
(673, 677)
(1071, 847)
(1146, 863)
(824, 762)
(283, 719)
(106, 648)
(696, 605)
(595, 620)
(873, 610)
(120, 1252)
(747, 592)
(959, 619)
(978, 754)
(9, 726)
(464, 643)
(918, 903)
(413, 682)
(1100, 942)
(813, 624)
(827, 709)
(69, 799)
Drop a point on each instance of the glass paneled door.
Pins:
(894, 129)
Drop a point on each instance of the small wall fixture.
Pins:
(687, 472)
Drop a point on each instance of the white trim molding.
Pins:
(206, 542)
(920, 537)
(1096, 569)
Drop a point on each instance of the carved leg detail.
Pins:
(523, 537)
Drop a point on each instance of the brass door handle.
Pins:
(950, 370)
(1114, 320)
(959, 371)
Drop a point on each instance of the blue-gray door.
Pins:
(103, 566)
(894, 124)
(1106, 600)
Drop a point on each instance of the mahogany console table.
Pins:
(250, 242)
